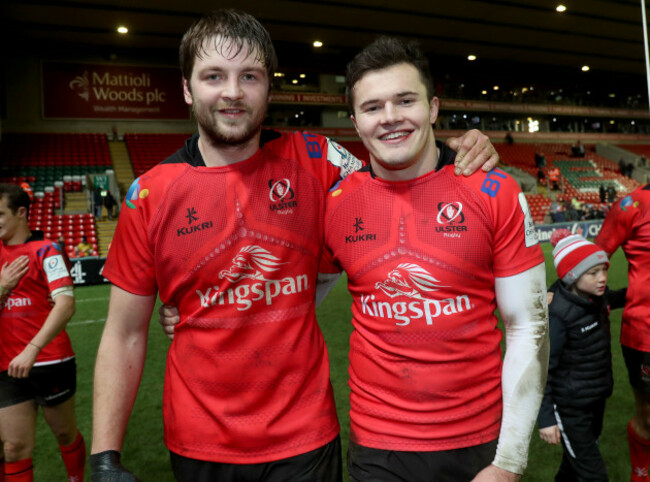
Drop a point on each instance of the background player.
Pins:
(37, 365)
(628, 225)
(429, 256)
(229, 229)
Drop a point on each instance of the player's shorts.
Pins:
(458, 465)
(638, 368)
(48, 385)
(321, 465)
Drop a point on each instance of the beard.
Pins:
(225, 131)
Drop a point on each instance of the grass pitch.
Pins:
(145, 454)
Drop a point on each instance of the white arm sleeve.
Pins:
(324, 285)
(524, 311)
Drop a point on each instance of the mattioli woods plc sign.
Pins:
(98, 91)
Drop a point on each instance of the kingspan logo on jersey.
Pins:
(451, 219)
(282, 196)
(413, 282)
(11, 303)
(252, 273)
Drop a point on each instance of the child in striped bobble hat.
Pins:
(580, 364)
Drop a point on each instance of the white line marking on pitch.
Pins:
(86, 322)
(90, 299)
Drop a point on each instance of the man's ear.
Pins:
(354, 122)
(434, 107)
(22, 212)
(187, 92)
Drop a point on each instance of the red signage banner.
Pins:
(106, 91)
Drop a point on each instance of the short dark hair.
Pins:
(240, 29)
(15, 196)
(385, 52)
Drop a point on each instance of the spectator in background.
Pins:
(557, 212)
(109, 204)
(541, 177)
(611, 193)
(84, 248)
(578, 208)
(569, 212)
(554, 178)
(509, 139)
(97, 203)
(578, 150)
(602, 192)
(622, 166)
(61, 242)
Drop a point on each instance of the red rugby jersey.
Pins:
(421, 258)
(628, 225)
(236, 249)
(26, 309)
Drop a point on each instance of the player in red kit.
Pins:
(429, 257)
(628, 225)
(229, 229)
(37, 365)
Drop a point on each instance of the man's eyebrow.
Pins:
(406, 93)
(399, 95)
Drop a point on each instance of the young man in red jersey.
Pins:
(429, 256)
(228, 229)
(628, 225)
(37, 365)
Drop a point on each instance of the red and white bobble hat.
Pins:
(574, 255)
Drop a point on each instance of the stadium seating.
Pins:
(147, 150)
(43, 160)
(71, 227)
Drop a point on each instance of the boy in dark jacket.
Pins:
(580, 363)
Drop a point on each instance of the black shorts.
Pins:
(320, 465)
(458, 465)
(638, 368)
(48, 385)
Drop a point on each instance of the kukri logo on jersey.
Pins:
(251, 278)
(417, 285)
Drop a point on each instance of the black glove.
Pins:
(106, 467)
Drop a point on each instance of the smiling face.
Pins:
(592, 282)
(228, 94)
(393, 117)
